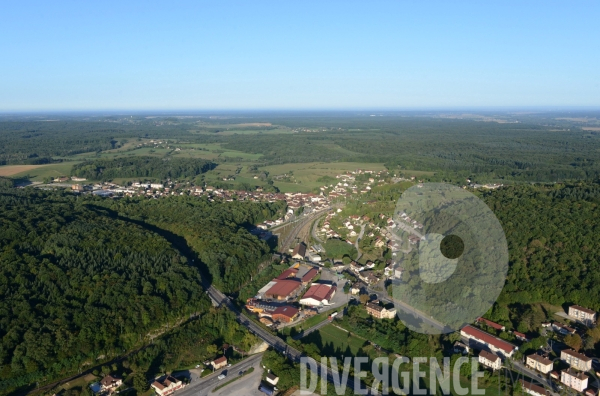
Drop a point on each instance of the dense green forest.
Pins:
(77, 284)
(215, 232)
(83, 277)
(539, 148)
(489, 150)
(33, 140)
(552, 234)
(142, 167)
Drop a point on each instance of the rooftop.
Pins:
(283, 288)
(582, 309)
(489, 356)
(288, 273)
(489, 339)
(376, 307)
(310, 275)
(576, 354)
(286, 310)
(299, 249)
(540, 359)
(320, 292)
(531, 386)
(222, 359)
(577, 374)
(490, 323)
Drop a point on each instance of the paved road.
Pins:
(277, 343)
(204, 386)
(408, 228)
(360, 235)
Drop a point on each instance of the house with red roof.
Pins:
(318, 294)
(521, 336)
(491, 324)
(285, 313)
(533, 389)
(494, 344)
(167, 386)
(218, 363)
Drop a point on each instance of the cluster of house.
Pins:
(574, 376)
(349, 229)
(273, 302)
(494, 349)
(366, 274)
(406, 218)
(491, 186)
(348, 185)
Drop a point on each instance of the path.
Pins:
(360, 235)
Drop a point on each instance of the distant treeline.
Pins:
(143, 167)
(490, 150)
(539, 149)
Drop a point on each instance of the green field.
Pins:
(307, 174)
(52, 170)
(336, 341)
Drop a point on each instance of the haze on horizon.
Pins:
(68, 56)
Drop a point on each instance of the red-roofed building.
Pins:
(218, 363)
(310, 275)
(285, 313)
(521, 336)
(283, 289)
(167, 386)
(491, 324)
(111, 382)
(495, 344)
(288, 273)
(576, 359)
(318, 294)
(490, 360)
(533, 389)
(584, 315)
(539, 363)
(574, 379)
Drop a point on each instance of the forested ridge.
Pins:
(82, 278)
(25, 141)
(215, 231)
(76, 284)
(552, 235)
(142, 167)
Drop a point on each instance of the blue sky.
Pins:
(81, 55)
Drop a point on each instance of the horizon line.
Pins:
(132, 111)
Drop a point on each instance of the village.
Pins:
(311, 284)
